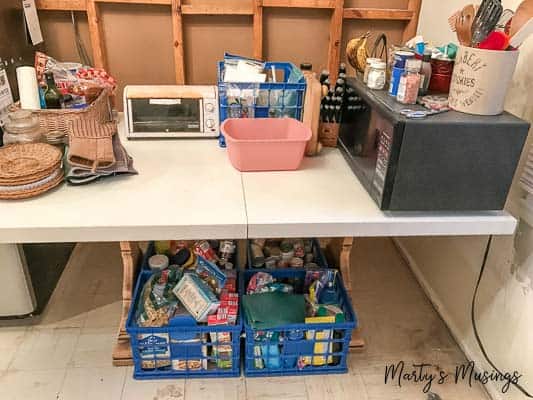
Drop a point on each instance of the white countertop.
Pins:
(325, 198)
(187, 189)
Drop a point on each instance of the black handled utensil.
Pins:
(485, 21)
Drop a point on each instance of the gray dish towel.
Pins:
(79, 175)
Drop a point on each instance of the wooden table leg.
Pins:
(130, 260)
(341, 250)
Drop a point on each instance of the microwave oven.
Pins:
(170, 111)
(444, 162)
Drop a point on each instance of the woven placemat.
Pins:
(24, 160)
(30, 178)
(34, 189)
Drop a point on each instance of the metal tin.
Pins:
(400, 57)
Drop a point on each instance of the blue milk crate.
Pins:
(278, 99)
(184, 344)
(326, 354)
(320, 258)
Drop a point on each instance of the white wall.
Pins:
(448, 267)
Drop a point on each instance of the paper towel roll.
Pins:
(28, 88)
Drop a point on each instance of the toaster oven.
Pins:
(171, 111)
(445, 162)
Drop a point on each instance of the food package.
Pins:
(191, 364)
(158, 304)
(210, 273)
(323, 344)
(221, 352)
(196, 297)
(83, 84)
(154, 350)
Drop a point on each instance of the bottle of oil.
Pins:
(52, 95)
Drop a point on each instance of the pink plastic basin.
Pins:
(265, 144)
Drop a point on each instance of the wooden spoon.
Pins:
(463, 24)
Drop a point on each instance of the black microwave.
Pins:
(444, 162)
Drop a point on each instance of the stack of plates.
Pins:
(29, 169)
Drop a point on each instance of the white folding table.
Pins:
(187, 189)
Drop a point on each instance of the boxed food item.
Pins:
(196, 297)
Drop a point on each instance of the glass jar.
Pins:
(369, 62)
(409, 82)
(22, 126)
(377, 75)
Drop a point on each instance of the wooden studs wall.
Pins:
(253, 8)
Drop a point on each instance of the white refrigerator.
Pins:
(17, 297)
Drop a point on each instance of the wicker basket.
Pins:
(328, 134)
(54, 120)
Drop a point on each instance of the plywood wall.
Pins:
(206, 39)
(297, 35)
(138, 38)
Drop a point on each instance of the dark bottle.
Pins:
(52, 95)
(342, 68)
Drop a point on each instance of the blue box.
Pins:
(272, 99)
(183, 342)
(279, 357)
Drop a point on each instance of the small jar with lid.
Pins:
(369, 62)
(22, 126)
(409, 82)
(377, 75)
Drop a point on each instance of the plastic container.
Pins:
(280, 99)
(157, 351)
(325, 346)
(265, 144)
(319, 257)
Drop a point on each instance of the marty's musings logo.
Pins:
(428, 374)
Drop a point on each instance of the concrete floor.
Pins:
(67, 355)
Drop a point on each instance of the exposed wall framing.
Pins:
(254, 8)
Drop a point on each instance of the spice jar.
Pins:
(377, 75)
(22, 126)
(369, 62)
(409, 82)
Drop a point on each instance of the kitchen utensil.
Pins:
(486, 18)
(418, 114)
(462, 23)
(518, 38)
(504, 20)
(496, 40)
(523, 13)
(452, 20)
